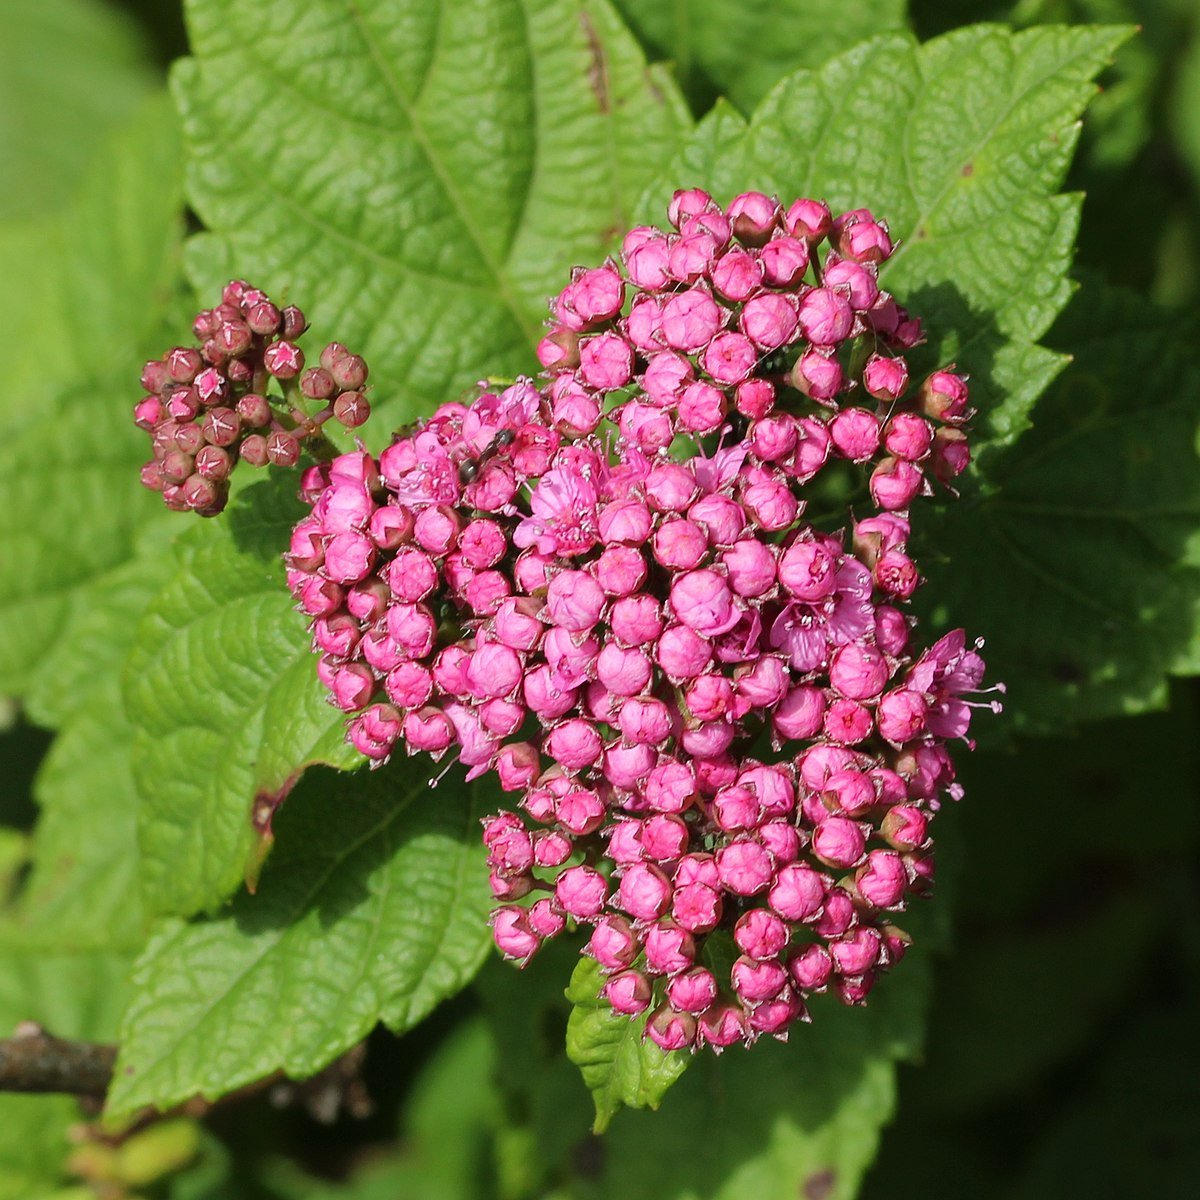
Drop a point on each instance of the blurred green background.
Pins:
(1062, 1057)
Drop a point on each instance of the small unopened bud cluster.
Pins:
(540, 585)
(240, 394)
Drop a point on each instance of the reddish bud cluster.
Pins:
(209, 406)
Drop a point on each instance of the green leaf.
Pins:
(96, 276)
(94, 283)
(70, 70)
(445, 167)
(961, 145)
(1079, 556)
(222, 691)
(619, 1064)
(374, 907)
(742, 50)
(85, 880)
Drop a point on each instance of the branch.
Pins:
(33, 1060)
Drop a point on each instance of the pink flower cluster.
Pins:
(208, 407)
(727, 750)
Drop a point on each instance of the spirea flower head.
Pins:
(606, 587)
(240, 394)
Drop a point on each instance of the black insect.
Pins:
(468, 471)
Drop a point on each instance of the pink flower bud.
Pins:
(353, 687)
(737, 275)
(702, 408)
(670, 487)
(755, 398)
(692, 991)
(625, 842)
(576, 412)
(670, 1030)
(709, 739)
(755, 982)
(769, 320)
(412, 627)
(622, 671)
(436, 529)
(721, 517)
(690, 319)
(771, 505)
(691, 255)
(494, 670)
(760, 934)
(513, 935)
(645, 426)
(735, 809)
(750, 566)
(885, 378)
(670, 787)
(697, 907)
(669, 948)
(855, 434)
(546, 695)
(797, 893)
(282, 359)
(825, 317)
(375, 730)
(818, 375)
(545, 919)
(753, 217)
(597, 295)
(702, 601)
(857, 952)
(855, 281)
(809, 219)
(516, 623)
(664, 837)
(689, 202)
(647, 262)
(723, 1025)
(781, 839)
(908, 436)
(680, 545)
(808, 571)
(729, 358)
(613, 943)
(574, 745)
(847, 721)
(606, 362)
(858, 671)
(636, 620)
(944, 397)
(380, 649)
(811, 968)
(784, 261)
(774, 437)
(645, 721)
(581, 891)
(906, 828)
(644, 323)
(894, 483)
(320, 597)
(571, 658)
(482, 544)
(744, 867)
(896, 574)
(762, 685)
(390, 526)
(628, 992)
(709, 697)
(860, 237)
(411, 575)
(574, 601)
(625, 766)
(644, 892)
(838, 842)
(625, 521)
(881, 880)
(951, 454)
(853, 791)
